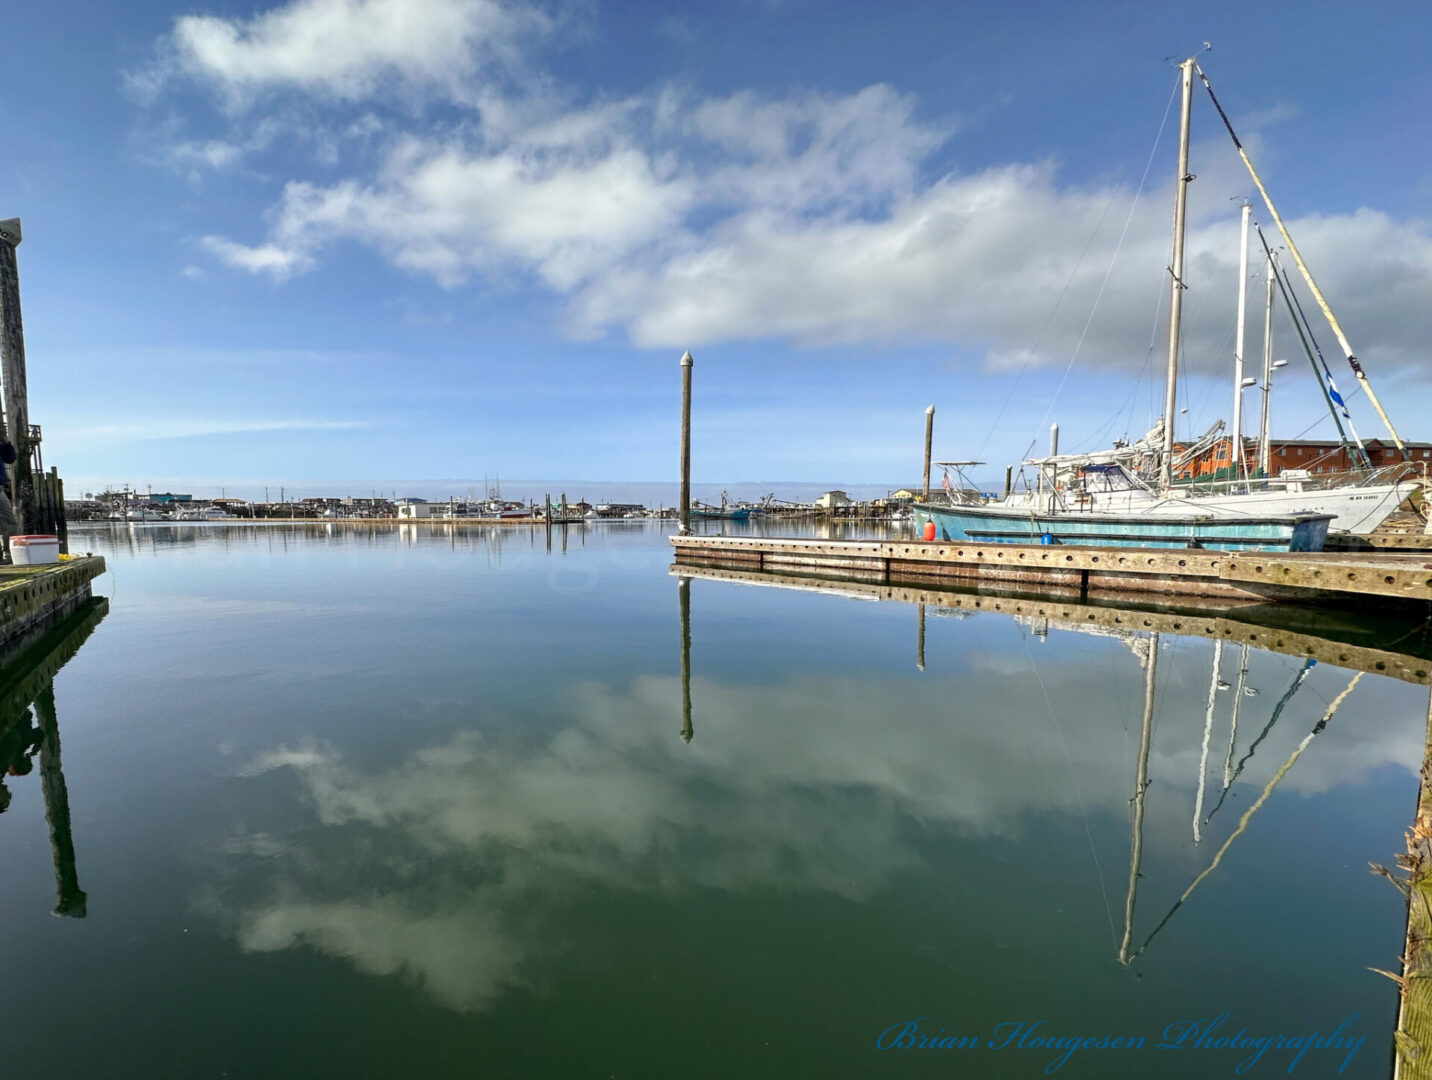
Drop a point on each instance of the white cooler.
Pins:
(34, 550)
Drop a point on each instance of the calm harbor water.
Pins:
(419, 803)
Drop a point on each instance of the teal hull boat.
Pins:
(996, 525)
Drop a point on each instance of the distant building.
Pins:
(1314, 455)
(832, 499)
(413, 509)
(906, 495)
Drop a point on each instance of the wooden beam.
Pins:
(12, 367)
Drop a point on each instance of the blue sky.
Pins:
(344, 245)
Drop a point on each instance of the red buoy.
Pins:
(929, 530)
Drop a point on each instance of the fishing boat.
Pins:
(725, 512)
(1302, 532)
(1102, 501)
(739, 513)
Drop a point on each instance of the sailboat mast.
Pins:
(1235, 457)
(1177, 286)
(1264, 464)
(1303, 269)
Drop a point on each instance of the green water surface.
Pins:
(391, 803)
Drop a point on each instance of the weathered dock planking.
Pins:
(1413, 1038)
(1321, 577)
(33, 596)
(1273, 628)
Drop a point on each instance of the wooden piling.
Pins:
(929, 440)
(12, 368)
(686, 364)
(1008, 480)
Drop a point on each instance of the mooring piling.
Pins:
(929, 441)
(12, 367)
(686, 364)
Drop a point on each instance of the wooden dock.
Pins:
(31, 597)
(1400, 649)
(1324, 577)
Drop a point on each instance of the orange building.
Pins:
(1314, 455)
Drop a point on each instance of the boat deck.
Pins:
(1335, 577)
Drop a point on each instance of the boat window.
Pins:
(1109, 477)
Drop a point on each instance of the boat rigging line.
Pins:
(1277, 712)
(1074, 783)
(1280, 277)
(1303, 268)
(1028, 356)
(1332, 387)
(1126, 959)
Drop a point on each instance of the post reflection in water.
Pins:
(70, 898)
(683, 590)
(30, 728)
(920, 637)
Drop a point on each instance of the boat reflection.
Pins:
(1398, 648)
(30, 729)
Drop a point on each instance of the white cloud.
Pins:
(165, 427)
(688, 220)
(278, 262)
(347, 49)
(487, 839)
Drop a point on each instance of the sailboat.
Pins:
(1100, 499)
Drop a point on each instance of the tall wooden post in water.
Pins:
(686, 364)
(929, 440)
(12, 367)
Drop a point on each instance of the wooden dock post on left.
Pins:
(686, 364)
(12, 368)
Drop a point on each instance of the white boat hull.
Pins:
(1355, 510)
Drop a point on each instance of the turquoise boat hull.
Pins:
(995, 525)
(722, 515)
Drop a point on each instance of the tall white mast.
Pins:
(1263, 461)
(1235, 457)
(1176, 272)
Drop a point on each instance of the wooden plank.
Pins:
(1213, 620)
(1267, 574)
(1413, 1039)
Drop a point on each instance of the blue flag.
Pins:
(1337, 398)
